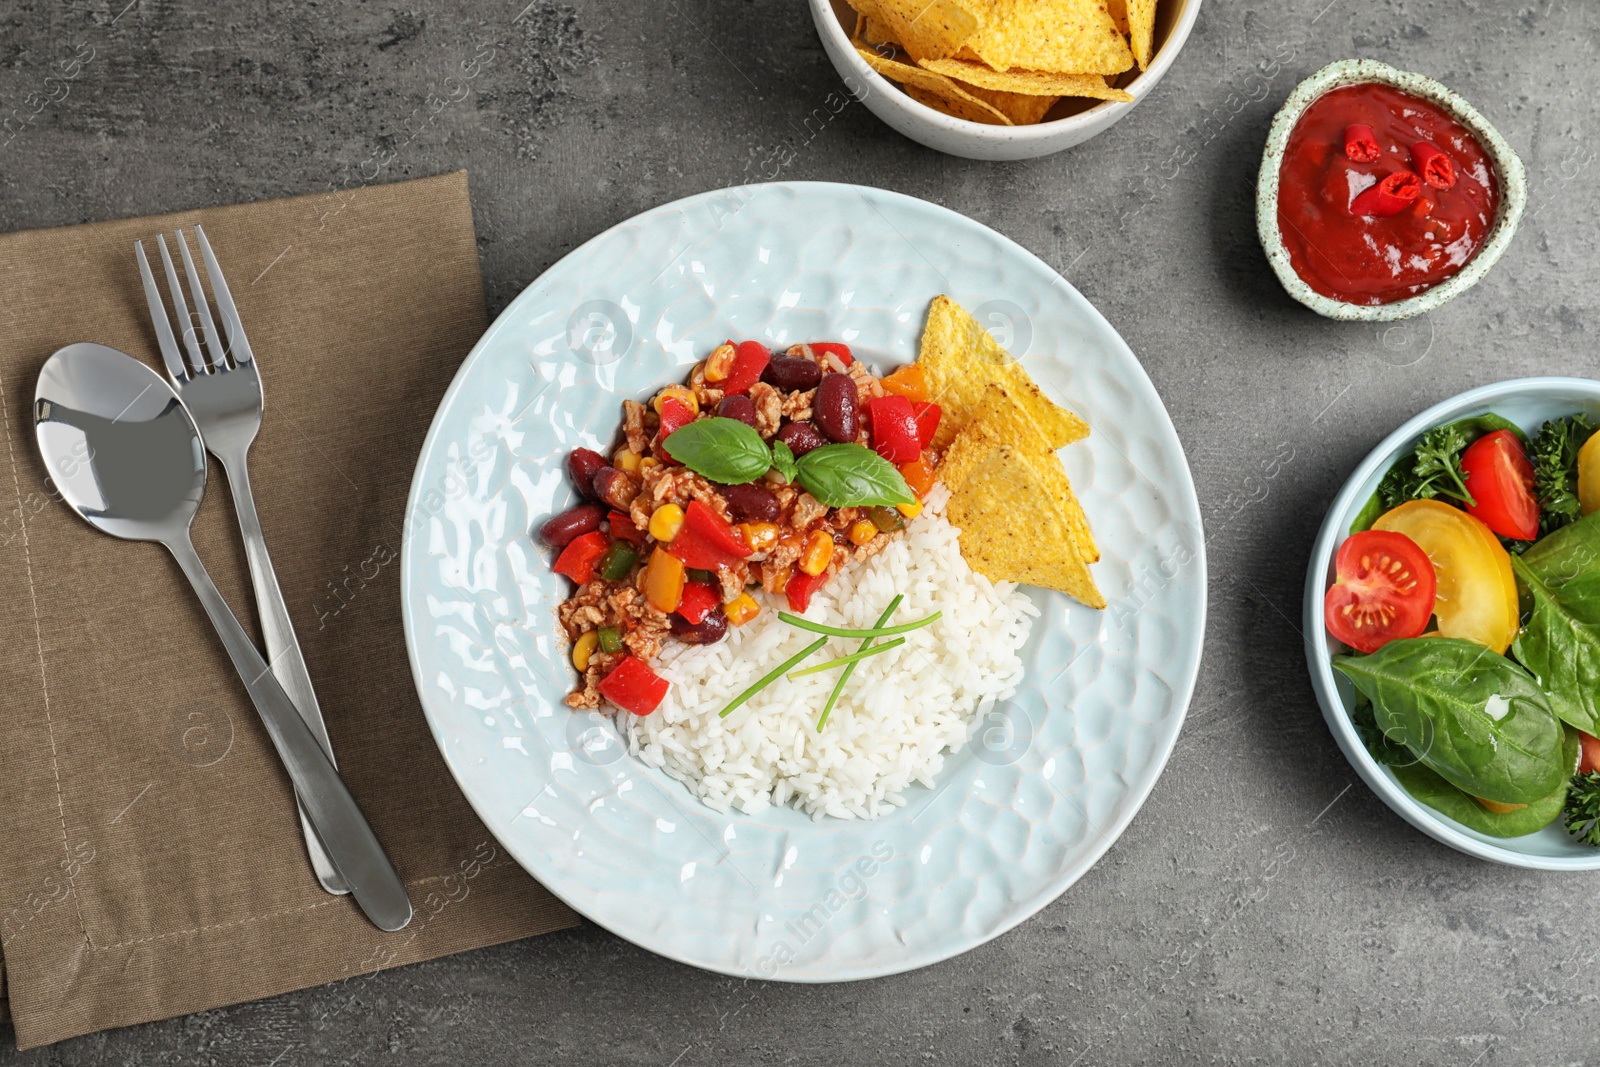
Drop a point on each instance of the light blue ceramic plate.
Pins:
(1528, 402)
(1013, 820)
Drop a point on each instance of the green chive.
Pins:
(839, 631)
(833, 697)
(850, 660)
(773, 675)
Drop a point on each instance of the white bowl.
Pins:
(1528, 402)
(1075, 121)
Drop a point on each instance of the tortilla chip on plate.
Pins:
(962, 104)
(960, 358)
(1067, 36)
(1142, 29)
(1027, 82)
(1000, 420)
(1011, 529)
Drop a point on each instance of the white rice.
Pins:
(899, 713)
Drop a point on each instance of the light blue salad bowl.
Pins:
(1528, 402)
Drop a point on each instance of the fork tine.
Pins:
(214, 348)
(197, 362)
(158, 318)
(233, 328)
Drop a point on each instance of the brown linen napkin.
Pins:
(151, 863)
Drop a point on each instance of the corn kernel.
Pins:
(665, 522)
(720, 363)
(760, 536)
(863, 531)
(680, 394)
(741, 609)
(646, 462)
(626, 460)
(911, 510)
(583, 648)
(817, 554)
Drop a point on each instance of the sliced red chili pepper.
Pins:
(1436, 168)
(800, 587)
(894, 428)
(698, 601)
(633, 687)
(750, 358)
(1360, 143)
(705, 541)
(842, 351)
(928, 416)
(675, 415)
(1392, 194)
(622, 526)
(577, 560)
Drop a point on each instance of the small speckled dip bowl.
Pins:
(1507, 168)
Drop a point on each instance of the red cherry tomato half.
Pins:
(1591, 753)
(1500, 479)
(1384, 590)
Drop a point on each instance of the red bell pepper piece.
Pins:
(1391, 195)
(675, 415)
(800, 587)
(634, 687)
(698, 601)
(750, 358)
(705, 542)
(894, 429)
(622, 527)
(1436, 168)
(842, 351)
(928, 416)
(577, 560)
(1360, 143)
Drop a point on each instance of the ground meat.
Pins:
(678, 485)
(779, 561)
(769, 408)
(797, 406)
(806, 511)
(867, 386)
(707, 395)
(639, 425)
(584, 610)
(843, 518)
(733, 579)
(870, 549)
(588, 694)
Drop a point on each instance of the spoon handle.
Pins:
(344, 831)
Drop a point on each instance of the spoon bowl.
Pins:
(135, 469)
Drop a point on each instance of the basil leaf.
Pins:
(783, 460)
(1468, 713)
(851, 476)
(725, 451)
(1561, 643)
(1432, 790)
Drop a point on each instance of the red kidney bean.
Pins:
(751, 503)
(738, 406)
(583, 464)
(708, 631)
(615, 488)
(792, 374)
(834, 408)
(561, 530)
(801, 437)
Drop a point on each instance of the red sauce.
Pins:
(1370, 260)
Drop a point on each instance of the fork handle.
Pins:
(333, 812)
(277, 632)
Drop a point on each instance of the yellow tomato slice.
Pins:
(1477, 597)
(1589, 474)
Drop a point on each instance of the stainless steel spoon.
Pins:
(125, 454)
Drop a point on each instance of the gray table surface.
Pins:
(1264, 906)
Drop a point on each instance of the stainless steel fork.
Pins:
(221, 387)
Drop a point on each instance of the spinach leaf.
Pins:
(1391, 752)
(1554, 454)
(851, 476)
(1571, 551)
(1433, 468)
(1468, 713)
(1370, 513)
(1560, 643)
(1440, 795)
(721, 450)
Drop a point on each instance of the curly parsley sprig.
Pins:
(1582, 811)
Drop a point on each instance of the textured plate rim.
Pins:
(1187, 509)
(1319, 657)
